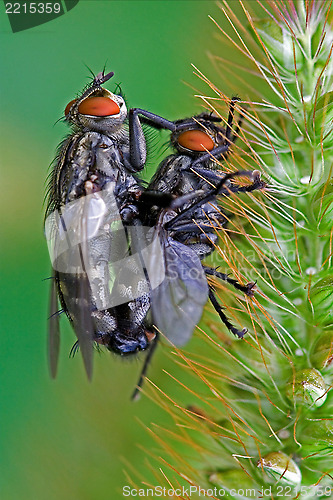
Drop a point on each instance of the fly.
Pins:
(92, 226)
(199, 142)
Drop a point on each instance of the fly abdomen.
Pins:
(128, 342)
(122, 329)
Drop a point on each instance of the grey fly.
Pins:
(187, 227)
(199, 143)
(93, 229)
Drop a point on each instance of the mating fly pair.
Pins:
(126, 259)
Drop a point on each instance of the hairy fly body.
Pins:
(187, 227)
(191, 174)
(179, 288)
(93, 228)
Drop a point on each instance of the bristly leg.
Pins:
(248, 289)
(136, 393)
(57, 313)
(218, 308)
(230, 122)
(255, 175)
(74, 349)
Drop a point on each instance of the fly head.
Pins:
(97, 108)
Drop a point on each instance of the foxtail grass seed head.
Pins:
(266, 406)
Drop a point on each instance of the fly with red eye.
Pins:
(90, 224)
(200, 144)
(181, 206)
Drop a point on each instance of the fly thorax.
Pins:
(108, 159)
(168, 177)
(102, 157)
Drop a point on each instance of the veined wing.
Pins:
(177, 303)
(53, 328)
(78, 244)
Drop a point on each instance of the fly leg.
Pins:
(194, 227)
(211, 176)
(256, 184)
(255, 175)
(137, 140)
(218, 308)
(164, 200)
(136, 393)
(206, 229)
(54, 330)
(230, 122)
(213, 154)
(248, 289)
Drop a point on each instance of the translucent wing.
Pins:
(53, 329)
(83, 323)
(67, 235)
(177, 303)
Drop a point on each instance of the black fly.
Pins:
(199, 143)
(92, 226)
(187, 228)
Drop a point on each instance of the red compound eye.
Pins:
(196, 140)
(69, 105)
(99, 106)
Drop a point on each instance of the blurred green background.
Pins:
(66, 438)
